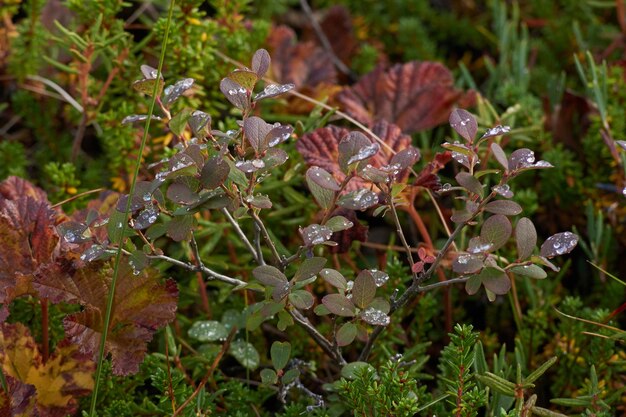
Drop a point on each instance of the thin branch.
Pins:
(266, 237)
(318, 337)
(242, 235)
(396, 222)
(446, 283)
(324, 40)
(211, 275)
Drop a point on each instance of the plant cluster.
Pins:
(304, 245)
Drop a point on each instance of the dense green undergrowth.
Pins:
(252, 208)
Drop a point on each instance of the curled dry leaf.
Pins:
(415, 96)
(321, 148)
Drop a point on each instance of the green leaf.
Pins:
(280, 352)
(472, 285)
(146, 86)
(338, 223)
(179, 121)
(364, 289)
(496, 230)
(323, 196)
(322, 178)
(532, 271)
(301, 299)
(541, 370)
(208, 331)
(245, 353)
(346, 334)
(309, 268)
(180, 228)
(268, 376)
(290, 376)
(269, 275)
(495, 280)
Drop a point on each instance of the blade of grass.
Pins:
(118, 255)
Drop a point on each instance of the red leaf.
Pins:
(415, 96)
(141, 305)
(28, 236)
(427, 177)
(321, 148)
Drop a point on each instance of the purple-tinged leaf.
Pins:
(261, 62)
(301, 299)
(180, 227)
(622, 144)
(532, 271)
(214, 173)
(461, 216)
(338, 223)
(364, 289)
(346, 334)
(149, 72)
(256, 129)
(373, 174)
(506, 207)
(173, 92)
(525, 237)
(523, 159)
(273, 90)
(504, 190)
(269, 275)
(315, 234)
(259, 201)
(137, 118)
(334, 278)
(250, 166)
(496, 131)
(200, 123)
(179, 192)
(476, 245)
(309, 268)
(322, 178)
(277, 135)
(464, 123)
(355, 147)
(274, 157)
(559, 244)
(323, 196)
(496, 230)
(470, 183)
(467, 263)
(73, 232)
(358, 200)
(380, 277)
(375, 317)
(500, 156)
(145, 218)
(495, 280)
(406, 158)
(235, 93)
(339, 305)
(281, 291)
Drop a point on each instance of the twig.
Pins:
(195, 255)
(318, 337)
(211, 275)
(242, 235)
(324, 40)
(266, 237)
(407, 248)
(74, 197)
